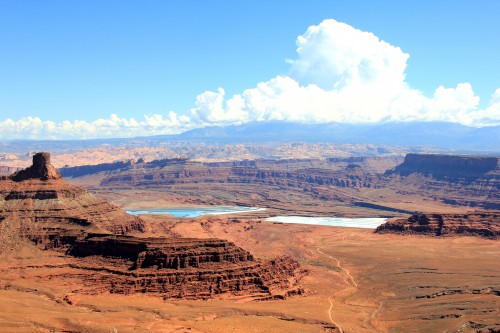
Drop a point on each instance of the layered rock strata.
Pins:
(186, 267)
(38, 196)
(483, 224)
(173, 253)
(65, 217)
(471, 181)
(295, 174)
(448, 166)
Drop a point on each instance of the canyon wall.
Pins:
(39, 206)
(271, 173)
(186, 268)
(483, 224)
(39, 196)
(468, 181)
(449, 166)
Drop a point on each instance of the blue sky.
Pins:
(86, 60)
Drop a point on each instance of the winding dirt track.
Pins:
(350, 279)
(354, 285)
(330, 315)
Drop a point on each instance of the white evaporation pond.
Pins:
(196, 211)
(369, 222)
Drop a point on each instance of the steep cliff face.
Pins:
(56, 215)
(174, 253)
(40, 197)
(181, 171)
(185, 268)
(449, 166)
(83, 170)
(484, 224)
(273, 279)
(79, 171)
(472, 181)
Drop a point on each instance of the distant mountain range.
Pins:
(437, 134)
(426, 134)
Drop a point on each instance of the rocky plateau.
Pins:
(102, 270)
(430, 182)
(38, 204)
(484, 224)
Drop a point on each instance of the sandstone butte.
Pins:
(47, 210)
(480, 223)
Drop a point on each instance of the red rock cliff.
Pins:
(68, 218)
(451, 166)
(39, 196)
(484, 224)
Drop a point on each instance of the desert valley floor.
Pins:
(358, 281)
(325, 166)
(424, 273)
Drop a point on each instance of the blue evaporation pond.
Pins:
(196, 211)
(369, 223)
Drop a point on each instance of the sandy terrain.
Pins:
(358, 282)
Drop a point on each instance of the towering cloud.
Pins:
(334, 55)
(341, 74)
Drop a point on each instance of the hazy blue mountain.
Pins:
(430, 134)
(436, 134)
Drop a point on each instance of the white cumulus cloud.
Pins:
(341, 74)
(335, 55)
(114, 126)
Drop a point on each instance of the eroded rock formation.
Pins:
(41, 169)
(484, 224)
(448, 166)
(67, 218)
(472, 181)
(39, 197)
(290, 173)
(186, 267)
(79, 171)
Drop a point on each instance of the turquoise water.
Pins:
(189, 212)
(370, 222)
(196, 211)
